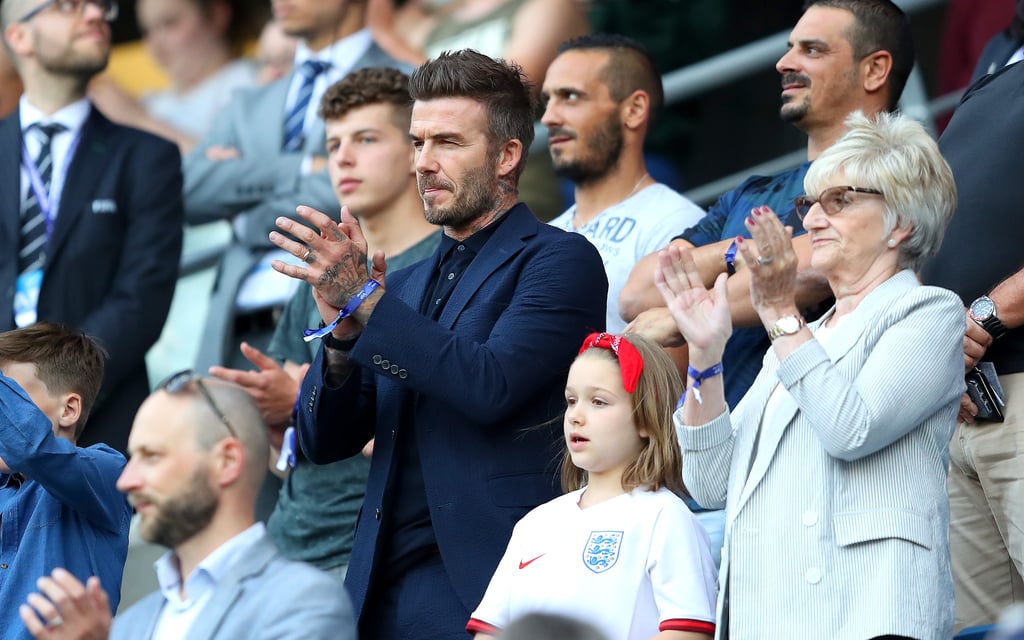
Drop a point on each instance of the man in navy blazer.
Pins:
(110, 253)
(456, 365)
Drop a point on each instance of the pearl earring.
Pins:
(892, 243)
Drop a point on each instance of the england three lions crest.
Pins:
(602, 550)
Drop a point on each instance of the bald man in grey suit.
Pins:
(198, 454)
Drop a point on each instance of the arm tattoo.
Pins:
(338, 367)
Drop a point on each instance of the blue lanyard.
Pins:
(35, 181)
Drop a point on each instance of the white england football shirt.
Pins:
(631, 566)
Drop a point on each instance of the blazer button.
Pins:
(376, 359)
(376, 513)
(394, 434)
(394, 368)
(810, 518)
(384, 364)
(403, 374)
(813, 575)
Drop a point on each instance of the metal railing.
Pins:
(717, 71)
(712, 73)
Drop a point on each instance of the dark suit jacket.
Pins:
(484, 387)
(113, 257)
(995, 54)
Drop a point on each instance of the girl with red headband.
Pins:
(619, 550)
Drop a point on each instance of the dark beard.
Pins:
(602, 154)
(793, 112)
(479, 195)
(183, 515)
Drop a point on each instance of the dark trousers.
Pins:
(421, 605)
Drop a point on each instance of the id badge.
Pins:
(26, 297)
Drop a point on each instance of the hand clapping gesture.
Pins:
(772, 264)
(335, 261)
(701, 314)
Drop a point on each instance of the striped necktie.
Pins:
(293, 124)
(33, 221)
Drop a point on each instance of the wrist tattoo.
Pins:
(338, 367)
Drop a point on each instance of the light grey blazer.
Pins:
(838, 526)
(263, 596)
(264, 182)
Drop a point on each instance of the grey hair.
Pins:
(893, 153)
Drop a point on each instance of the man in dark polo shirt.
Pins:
(456, 366)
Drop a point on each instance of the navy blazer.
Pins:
(484, 387)
(112, 260)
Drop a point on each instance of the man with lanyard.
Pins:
(93, 236)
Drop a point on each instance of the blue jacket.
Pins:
(59, 507)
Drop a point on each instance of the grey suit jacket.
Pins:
(837, 514)
(264, 182)
(264, 595)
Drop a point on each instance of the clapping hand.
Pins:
(335, 261)
(701, 314)
(773, 267)
(66, 609)
(335, 257)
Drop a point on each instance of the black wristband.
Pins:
(339, 345)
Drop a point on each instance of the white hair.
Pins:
(893, 153)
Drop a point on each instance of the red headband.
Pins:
(631, 363)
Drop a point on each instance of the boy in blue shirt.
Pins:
(59, 504)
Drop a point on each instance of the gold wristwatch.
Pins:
(786, 326)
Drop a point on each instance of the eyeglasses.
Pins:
(68, 7)
(178, 382)
(832, 200)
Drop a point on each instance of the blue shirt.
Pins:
(59, 507)
(746, 348)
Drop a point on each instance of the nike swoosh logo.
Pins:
(523, 565)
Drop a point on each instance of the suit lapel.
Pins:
(750, 441)
(153, 617)
(10, 183)
(505, 243)
(270, 109)
(837, 346)
(86, 168)
(230, 589)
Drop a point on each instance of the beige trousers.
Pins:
(986, 500)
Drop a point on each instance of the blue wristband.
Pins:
(730, 258)
(701, 376)
(310, 335)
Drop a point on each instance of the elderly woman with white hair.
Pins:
(832, 468)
